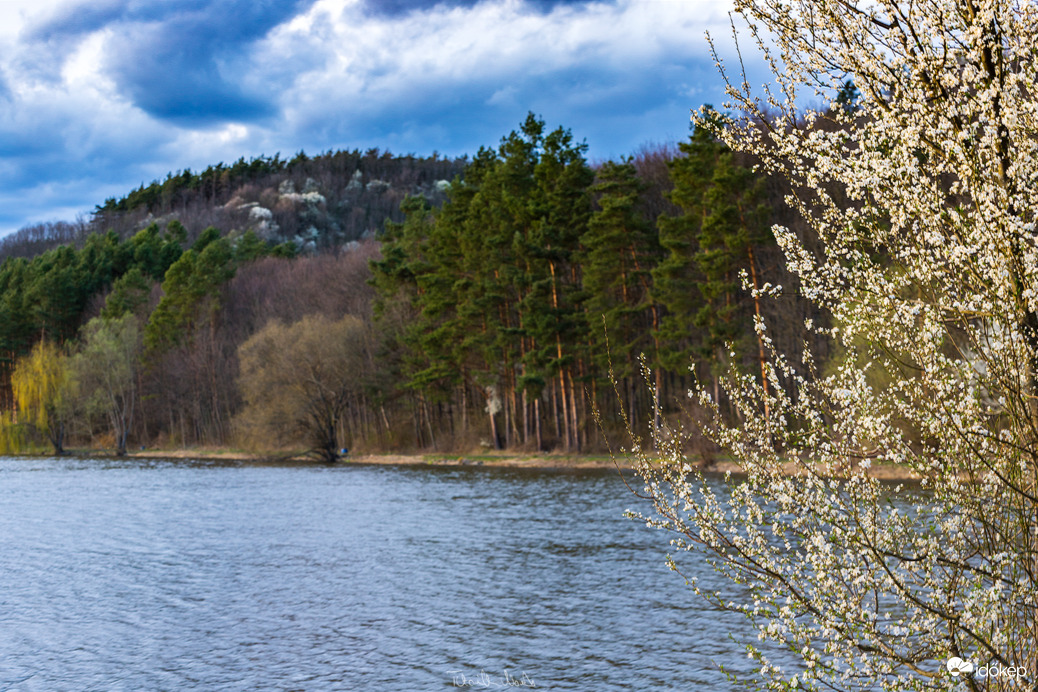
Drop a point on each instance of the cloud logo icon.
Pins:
(957, 667)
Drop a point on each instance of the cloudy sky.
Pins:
(98, 96)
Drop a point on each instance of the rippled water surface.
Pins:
(159, 575)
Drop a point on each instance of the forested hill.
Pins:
(378, 302)
(317, 203)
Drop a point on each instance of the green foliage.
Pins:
(677, 277)
(286, 250)
(250, 247)
(620, 250)
(707, 247)
(105, 372)
(492, 279)
(190, 291)
(515, 292)
(395, 276)
(561, 208)
(102, 259)
(129, 295)
(735, 222)
(175, 234)
(154, 254)
(57, 293)
(48, 294)
(207, 236)
(16, 320)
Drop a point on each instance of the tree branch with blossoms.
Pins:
(922, 202)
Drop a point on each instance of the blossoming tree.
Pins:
(923, 198)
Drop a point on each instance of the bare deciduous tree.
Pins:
(298, 380)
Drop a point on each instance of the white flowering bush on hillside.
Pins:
(924, 198)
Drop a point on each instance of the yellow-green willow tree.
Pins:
(41, 385)
(924, 198)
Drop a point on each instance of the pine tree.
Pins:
(620, 250)
(492, 284)
(57, 292)
(190, 291)
(676, 279)
(730, 241)
(717, 238)
(405, 304)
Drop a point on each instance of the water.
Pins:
(126, 575)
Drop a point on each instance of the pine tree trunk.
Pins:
(555, 410)
(565, 407)
(526, 420)
(574, 425)
(464, 411)
(493, 429)
(428, 424)
(537, 422)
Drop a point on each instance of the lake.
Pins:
(130, 574)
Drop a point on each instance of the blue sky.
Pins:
(99, 96)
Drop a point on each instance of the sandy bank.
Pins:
(542, 461)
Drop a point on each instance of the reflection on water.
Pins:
(165, 575)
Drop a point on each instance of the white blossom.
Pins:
(924, 200)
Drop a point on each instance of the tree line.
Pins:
(542, 282)
(501, 317)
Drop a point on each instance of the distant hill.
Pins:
(319, 203)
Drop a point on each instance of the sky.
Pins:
(99, 96)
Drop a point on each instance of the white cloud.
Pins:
(503, 97)
(366, 61)
(16, 14)
(83, 68)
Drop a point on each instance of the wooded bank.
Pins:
(492, 311)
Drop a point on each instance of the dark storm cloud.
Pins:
(183, 61)
(396, 8)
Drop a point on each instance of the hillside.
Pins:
(318, 203)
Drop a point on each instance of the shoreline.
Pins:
(881, 472)
(520, 461)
